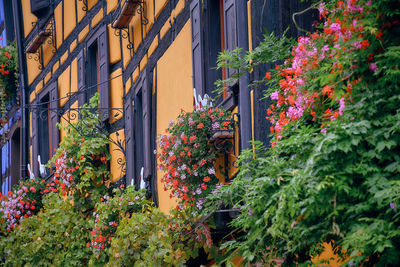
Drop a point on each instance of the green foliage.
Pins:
(81, 161)
(55, 237)
(81, 222)
(271, 49)
(342, 185)
(9, 69)
(152, 238)
(129, 230)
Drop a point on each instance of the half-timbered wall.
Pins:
(148, 70)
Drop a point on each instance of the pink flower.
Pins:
(335, 27)
(275, 95)
(373, 67)
(341, 106)
(202, 162)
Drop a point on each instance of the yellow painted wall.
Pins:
(69, 116)
(33, 70)
(160, 4)
(69, 18)
(111, 5)
(74, 76)
(91, 3)
(116, 156)
(97, 18)
(64, 85)
(48, 52)
(174, 91)
(149, 12)
(136, 25)
(116, 94)
(114, 51)
(81, 12)
(28, 17)
(59, 24)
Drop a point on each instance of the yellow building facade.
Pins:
(147, 60)
(143, 58)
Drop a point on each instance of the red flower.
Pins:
(200, 125)
(206, 179)
(268, 75)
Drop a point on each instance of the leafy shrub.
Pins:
(128, 230)
(23, 201)
(333, 172)
(54, 237)
(81, 161)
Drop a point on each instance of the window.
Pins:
(44, 129)
(6, 22)
(137, 133)
(16, 156)
(45, 133)
(5, 168)
(40, 8)
(213, 30)
(95, 71)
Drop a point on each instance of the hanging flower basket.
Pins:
(187, 156)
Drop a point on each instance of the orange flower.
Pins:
(268, 75)
(327, 90)
(206, 179)
(200, 126)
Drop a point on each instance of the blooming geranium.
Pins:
(314, 85)
(24, 201)
(186, 156)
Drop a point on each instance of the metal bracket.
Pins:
(122, 17)
(41, 33)
(85, 5)
(124, 33)
(73, 115)
(222, 139)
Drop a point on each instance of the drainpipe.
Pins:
(244, 92)
(22, 70)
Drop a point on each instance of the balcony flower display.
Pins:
(186, 156)
(8, 74)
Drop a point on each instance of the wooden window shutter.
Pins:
(230, 29)
(146, 100)
(54, 131)
(81, 77)
(103, 74)
(37, 6)
(196, 19)
(129, 143)
(35, 143)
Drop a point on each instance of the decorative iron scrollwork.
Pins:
(36, 57)
(73, 115)
(42, 32)
(124, 33)
(222, 138)
(140, 11)
(123, 16)
(85, 5)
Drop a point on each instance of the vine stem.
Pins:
(314, 6)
